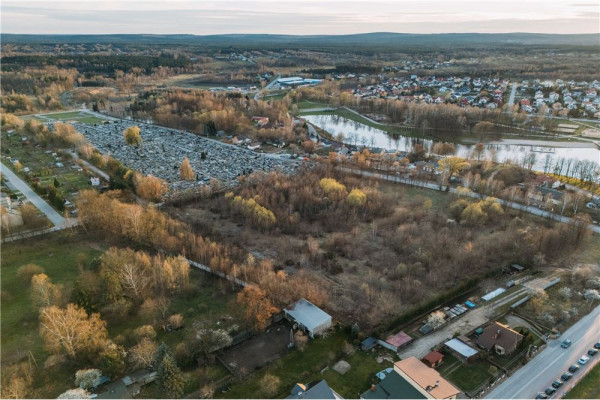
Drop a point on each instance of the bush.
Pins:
(26, 272)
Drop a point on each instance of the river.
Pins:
(514, 150)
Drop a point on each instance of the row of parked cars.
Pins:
(572, 369)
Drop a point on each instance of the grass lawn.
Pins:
(57, 253)
(468, 377)
(305, 367)
(359, 378)
(304, 105)
(471, 376)
(588, 387)
(590, 253)
(78, 116)
(207, 304)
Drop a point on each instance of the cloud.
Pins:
(293, 17)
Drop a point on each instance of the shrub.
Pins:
(27, 271)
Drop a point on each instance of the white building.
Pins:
(308, 317)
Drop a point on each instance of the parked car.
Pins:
(557, 383)
(541, 395)
(592, 352)
(583, 360)
(566, 376)
(550, 391)
(597, 346)
(573, 368)
(566, 343)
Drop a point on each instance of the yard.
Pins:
(467, 377)
(306, 366)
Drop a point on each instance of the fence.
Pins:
(218, 273)
(25, 235)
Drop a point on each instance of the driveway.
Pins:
(469, 321)
(15, 183)
(553, 361)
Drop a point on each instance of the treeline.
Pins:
(443, 118)
(93, 63)
(311, 196)
(206, 112)
(381, 250)
(146, 226)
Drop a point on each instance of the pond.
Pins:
(542, 152)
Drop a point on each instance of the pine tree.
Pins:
(169, 379)
(162, 351)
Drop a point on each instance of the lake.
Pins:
(514, 150)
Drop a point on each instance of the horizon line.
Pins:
(317, 34)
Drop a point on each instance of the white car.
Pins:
(583, 360)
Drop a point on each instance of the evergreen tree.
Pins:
(162, 351)
(169, 379)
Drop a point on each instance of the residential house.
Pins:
(499, 338)
(319, 390)
(411, 379)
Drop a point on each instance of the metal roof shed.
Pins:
(461, 348)
(309, 317)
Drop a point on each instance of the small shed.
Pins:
(309, 317)
(493, 294)
(433, 359)
(517, 267)
(368, 343)
(460, 348)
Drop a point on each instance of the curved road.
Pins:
(553, 361)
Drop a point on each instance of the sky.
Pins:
(306, 17)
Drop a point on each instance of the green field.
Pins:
(62, 255)
(588, 387)
(58, 254)
(78, 116)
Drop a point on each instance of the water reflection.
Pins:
(539, 153)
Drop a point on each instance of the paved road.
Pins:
(91, 167)
(553, 361)
(513, 92)
(15, 183)
(435, 186)
(268, 87)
